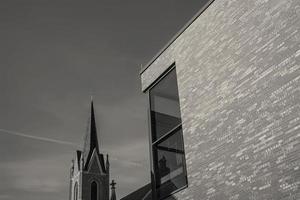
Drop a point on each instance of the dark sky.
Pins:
(53, 55)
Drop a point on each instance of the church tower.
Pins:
(89, 173)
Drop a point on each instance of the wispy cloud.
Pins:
(45, 139)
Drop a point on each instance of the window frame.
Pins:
(163, 137)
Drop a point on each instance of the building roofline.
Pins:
(177, 35)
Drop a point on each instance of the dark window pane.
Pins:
(167, 144)
(170, 164)
(164, 103)
(94, 191)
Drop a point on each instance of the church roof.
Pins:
(143, 193)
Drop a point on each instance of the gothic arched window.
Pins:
(76, 191)
(94, 190)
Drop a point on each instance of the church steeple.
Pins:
(90, 174)
(91, 138)
(93, 130)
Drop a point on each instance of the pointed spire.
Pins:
(91, 139)
(72, 168)
(113, 190)
(93, 130)
(72, 163)
(107, 163)
(81, 163)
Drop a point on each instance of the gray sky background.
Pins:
(53, 55)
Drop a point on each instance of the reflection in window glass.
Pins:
(170, 170)
(167, 140)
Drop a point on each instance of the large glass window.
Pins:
(165, 110)
(167, 141)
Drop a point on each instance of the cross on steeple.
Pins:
(113, 190)
(113, 183)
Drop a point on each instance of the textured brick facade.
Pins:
(238, 71)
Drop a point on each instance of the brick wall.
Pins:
(238, 70)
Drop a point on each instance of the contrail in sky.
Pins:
(38, 138)
(45, 139)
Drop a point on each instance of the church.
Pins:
(89, 172)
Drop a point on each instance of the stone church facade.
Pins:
(224, 104)
(89, 173)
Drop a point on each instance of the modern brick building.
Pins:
(224, 104)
